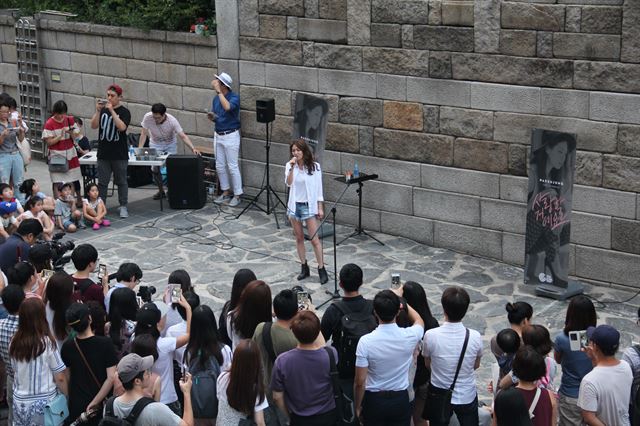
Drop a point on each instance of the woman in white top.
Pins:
(304, 178)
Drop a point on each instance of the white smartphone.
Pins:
(578, 340)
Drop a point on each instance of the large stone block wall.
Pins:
(157, 66)
(439, 98)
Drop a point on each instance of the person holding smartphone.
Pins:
(85, 260)
(11, 163)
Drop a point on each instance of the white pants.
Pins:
(227, 149)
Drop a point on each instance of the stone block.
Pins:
(500, 97)
(439, 92)
(199, 76)
(288, 77)
(359, 22)
(349, 215)
(308, 56)
(332, 100)
(365, 139)
(400, 11)
(457, 13)
(443, 38)
(178, 53)
(573, 14)
(518, 159)
(70, 82)
(80, 106)
(604, 201)
(601, 20)
(119, 47)
(322, 30)
(512, 70)
(544, 45)
(476, 154)
(392, 87)
(461, 181)
(253, 149)
(431, 118)
(273, 26)
(311, 9)
(629, 140)
(586, 46)
(56, 59)
(141, 70)
(110, 66)
(411, 146)
(292, 27)
(395, 61)
(591, 230)
(614, 107)
(435, 12)
(446, 206)
(204, 127)
(266, 50)
(249, 95)
(171, 73)
(281, 7)
(171, 95)
(386, 35)
(397, 198)
(9, 54)
(518, 42)
(281, 127)
(407, 37)
(252, 73)
(46, 39)
(503, 215)
(621, 173)
(367, 112)
(630, 32)
(195, 99)
(440, 65)
(565, 103)
(393, 171)
(607, 265)
(338, 57)
(468, 239)
(248, 18)
(346, 83)
(187, 120)
(588, 168)
(89, 44)
(607, 76)
(625, 235)
(466, 122)
(136, 91)
(487, 26)
(414, 228)
(592, 136)
(147, 50)
(513, 248)
(205, 56)
(333, 9)
(403, 116)
(546, 17)
(594, 2)
(513, 188)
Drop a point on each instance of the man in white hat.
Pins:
(225, 112)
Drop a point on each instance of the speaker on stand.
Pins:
(185, 174)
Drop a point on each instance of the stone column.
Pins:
(631, 31)
(487, 25)
(227, 17)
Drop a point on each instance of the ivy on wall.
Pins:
(170, 15)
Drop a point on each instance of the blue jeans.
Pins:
(12, 168)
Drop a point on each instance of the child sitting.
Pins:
(68, 217)
(93, 208)
(9, 221)
(30, 187)
(6, 194)
(34, 210)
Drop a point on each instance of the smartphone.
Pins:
(102, 271)
(102, 101)
(578, 340)
(303, 300)
(139, 301)
(46, 274)
(175, 293)
(395, 280)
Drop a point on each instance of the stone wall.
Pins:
(157, 66)
(439, 98)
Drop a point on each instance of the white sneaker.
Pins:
(234, 201)
(221, 199)
(124, 213)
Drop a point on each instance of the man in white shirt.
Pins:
(128, 275)
(383, 358)
(605, 391)
(441, 350)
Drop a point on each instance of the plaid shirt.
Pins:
(8, 328)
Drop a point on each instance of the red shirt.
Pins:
(86, 290)
(53, 128)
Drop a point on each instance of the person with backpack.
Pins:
(85, 260)
(632, 356)
(133, 408)
(346, 321)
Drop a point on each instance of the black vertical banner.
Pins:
(310, 122)
(551, 171)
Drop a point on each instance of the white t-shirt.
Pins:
(49, 314)
(164, 368)
(605, 391)
(154, 414)
(226, 414)
(162, 135)
(300, 187)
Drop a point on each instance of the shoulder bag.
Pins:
(25, 150)
(344, 405)
(58, 162)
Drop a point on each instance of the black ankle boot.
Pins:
(304, 271)
(322, 273)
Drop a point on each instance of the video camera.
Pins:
(58, 249)
(145, 292)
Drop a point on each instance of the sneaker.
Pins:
(81, 225)
(95, 227)
(234, 201)
(124, 213)
(105, 222)
(222, 199)
(159, 195)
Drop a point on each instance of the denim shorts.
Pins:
(67, 222)
(301, 213)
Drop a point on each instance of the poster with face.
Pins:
(552, 164)
(310, 122)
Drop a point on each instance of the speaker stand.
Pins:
(271, 206)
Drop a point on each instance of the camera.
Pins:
(145, 292)
(58, 250)
(578, 340)
(303, 297)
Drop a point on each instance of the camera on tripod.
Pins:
(58, 248)
(146, 292)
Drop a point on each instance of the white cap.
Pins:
(225, 79)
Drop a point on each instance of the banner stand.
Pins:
(573, 288)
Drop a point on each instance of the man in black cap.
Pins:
(16, 247)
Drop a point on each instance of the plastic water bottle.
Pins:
(132, 153)
(356, 170)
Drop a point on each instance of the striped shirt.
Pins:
(34, 379)
(8, 327)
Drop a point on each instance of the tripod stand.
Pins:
(359, 229)
(271, 208)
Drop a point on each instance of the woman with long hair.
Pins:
(181, 277)
(241, 392)
(39, 373)
(253, 308)
(122, 319)
(581, 314)
(57, 298)
(240, 280)
(304, 180)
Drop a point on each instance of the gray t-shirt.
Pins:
(10, 141)
(154, 414)
(605, 391)
(62, 209)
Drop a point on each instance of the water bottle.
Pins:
(356, 170)
(132, 153)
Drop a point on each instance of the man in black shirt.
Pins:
(112, 120)
(16, 247)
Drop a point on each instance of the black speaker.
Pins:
(265, 110)
(185, 174)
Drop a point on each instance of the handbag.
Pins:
(25, 150)
(438, 405)
(346, 412)
(56, 411)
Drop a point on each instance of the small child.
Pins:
(9, 221)
(81, 142)
(68, 217)
(6, 194)
(30, 187)
(93, 207)
(508, 341)
(35, 210)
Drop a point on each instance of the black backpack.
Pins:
(352, 326)
(204, 400)
(110, 418)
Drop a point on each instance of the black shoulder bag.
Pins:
(267, 342)
(346, 413)
(438, 406)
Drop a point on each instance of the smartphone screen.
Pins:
(395, 280)
(102, 271)
(139, 301)
(303, 299)
(46, 274)
(175, 293)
